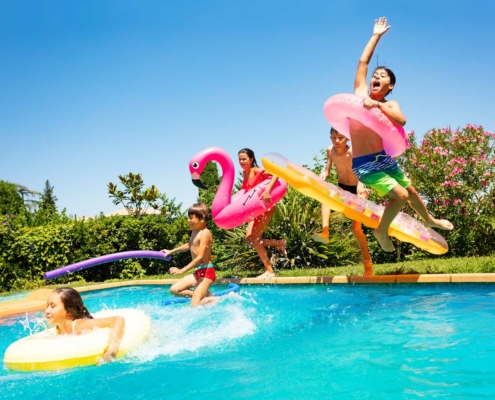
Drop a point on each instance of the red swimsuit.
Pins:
(258, 177)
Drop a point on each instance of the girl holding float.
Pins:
(253, 175)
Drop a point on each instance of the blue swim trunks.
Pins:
(379, 171)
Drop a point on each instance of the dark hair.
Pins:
(250, 154)
(333, 130)
(389, 73)
(73, 303)
(199, 210)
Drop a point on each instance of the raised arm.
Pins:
(360, 86)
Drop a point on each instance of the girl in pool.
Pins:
(66, 310)
(254, 175)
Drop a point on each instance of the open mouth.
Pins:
(376, 84)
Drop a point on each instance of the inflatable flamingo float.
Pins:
(231, 211)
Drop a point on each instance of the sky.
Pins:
(95, 89)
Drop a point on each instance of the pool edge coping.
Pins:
(36, 300)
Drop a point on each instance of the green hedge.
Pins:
(26, 253)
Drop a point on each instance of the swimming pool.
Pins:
(312, 341)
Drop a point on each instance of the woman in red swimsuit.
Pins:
(253, 175)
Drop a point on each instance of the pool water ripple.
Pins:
(359, 341)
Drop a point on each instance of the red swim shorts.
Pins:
(208, 273)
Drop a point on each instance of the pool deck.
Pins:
(36, 300)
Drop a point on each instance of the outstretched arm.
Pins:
(116, 325)
(360, 86)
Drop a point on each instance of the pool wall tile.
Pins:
(372, 279)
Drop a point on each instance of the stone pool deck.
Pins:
(36, 300)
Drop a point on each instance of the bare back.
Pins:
(201, 239)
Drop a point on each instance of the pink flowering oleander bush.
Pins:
(454, 172)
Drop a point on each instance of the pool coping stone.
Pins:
(36, 300)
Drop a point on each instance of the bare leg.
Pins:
(325, 221)
(253, 238)
(398, 198)
(357, 230)
(182, 288)
(419, 206)
(199, 297)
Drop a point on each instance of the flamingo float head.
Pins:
(198, 163)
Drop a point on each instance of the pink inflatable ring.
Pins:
(340, 107)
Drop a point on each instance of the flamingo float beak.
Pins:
(197, 181)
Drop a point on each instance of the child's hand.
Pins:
(266, 196)
(175, 271)
(370, 103)
(324, 175)
(165, 251)
(380, 26)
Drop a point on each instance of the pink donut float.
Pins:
(229, 211)
(340, 107)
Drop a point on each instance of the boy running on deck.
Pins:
(200, 245)
(340, 154)
(370, 163)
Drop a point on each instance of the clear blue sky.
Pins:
(93, 89)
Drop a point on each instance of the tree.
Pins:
(27, 196)
(48, 200)
(135, 198)
(10, 199)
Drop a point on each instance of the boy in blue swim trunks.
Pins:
(370, 163)
(200, 245)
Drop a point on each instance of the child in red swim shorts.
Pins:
(196, 285)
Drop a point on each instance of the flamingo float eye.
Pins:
(195, 165)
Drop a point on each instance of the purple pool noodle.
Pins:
(105, 259)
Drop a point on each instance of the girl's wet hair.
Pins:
(250, 154)
(199, 210)
(389, 73)
(73, 303)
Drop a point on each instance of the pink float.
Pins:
(340, 107)
(230, 211)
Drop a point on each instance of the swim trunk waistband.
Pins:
(203, 266)
(348, 188)
(372, 163)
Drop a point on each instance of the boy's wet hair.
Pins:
(389, 73)
(334, 131)
(72, 301)
(250, 154)
(199, 210)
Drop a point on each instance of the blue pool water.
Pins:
(288, 342)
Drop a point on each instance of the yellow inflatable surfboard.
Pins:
(403, 227)
(48, 351)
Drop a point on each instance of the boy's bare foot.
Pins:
(283, 249)
(384, 241)
(266, 275)
(439, 223)
(322, 236)
(368, 267)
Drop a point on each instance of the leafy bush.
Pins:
(454, 172)
(297, 217)
(25, 253)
